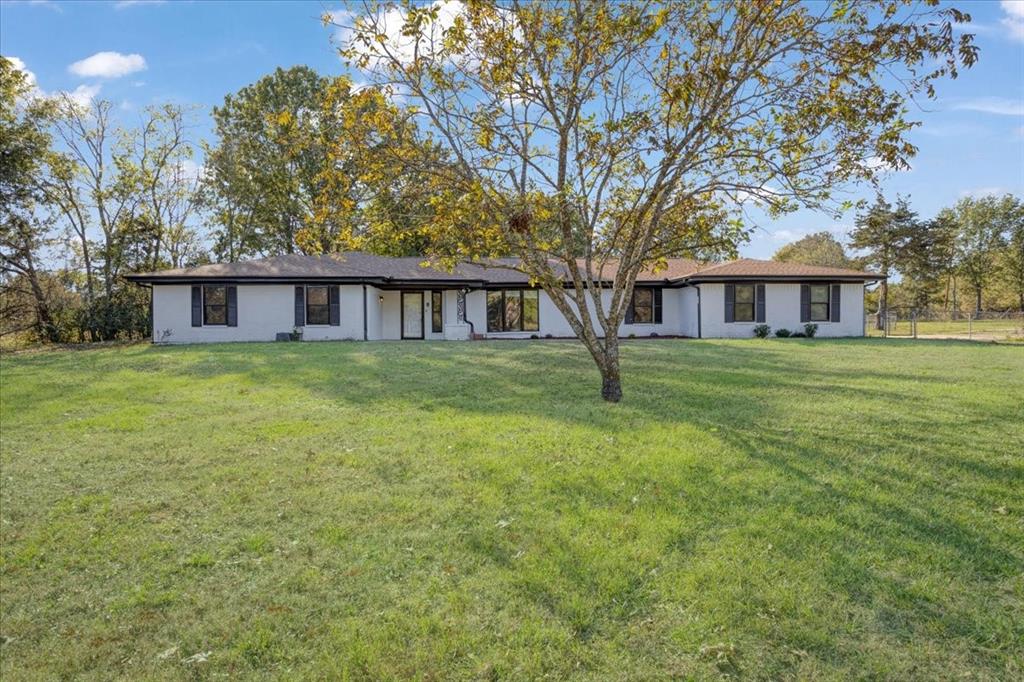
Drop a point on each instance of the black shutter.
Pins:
(232, 306)
(759, 313)
(629, 309)
(300, 306)
(730, 302)
(833, 311)
(657, 306)
(805, 302)
(335, 300)
(197, 306)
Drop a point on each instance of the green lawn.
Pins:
(812, 509)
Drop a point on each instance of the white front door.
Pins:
(412, 314)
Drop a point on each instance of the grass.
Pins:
(1009, 329)
(813, 509)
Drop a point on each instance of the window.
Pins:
(436, 318)
(743, 308)
(819, 303)
(318, 305)
(643, 306)
(215, 305)
(513, 310)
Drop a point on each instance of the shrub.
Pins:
(810, 329)
(632, 336)
(797, 335)
(549, 336)
(654, 335)
(762, 331)
(534, 336)
(782, 333)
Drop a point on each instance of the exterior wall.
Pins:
(688, 299)
(554, 323)
(782, 311)
(264, 310)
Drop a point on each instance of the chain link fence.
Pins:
(918, 324)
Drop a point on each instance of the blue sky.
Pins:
(138, 53)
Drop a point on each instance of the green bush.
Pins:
(782, 333)
(762, 331)
(810, 329)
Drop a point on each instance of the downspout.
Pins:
(152, 319)
(697, 287)
(365, 337)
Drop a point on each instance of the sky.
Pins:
(136, 53)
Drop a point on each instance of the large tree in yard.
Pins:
(593, 140)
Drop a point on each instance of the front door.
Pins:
(412, 314)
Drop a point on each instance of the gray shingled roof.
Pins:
(366, 267)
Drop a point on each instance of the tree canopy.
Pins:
(585, 135)
(820, 248)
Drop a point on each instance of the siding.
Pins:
(782, 311)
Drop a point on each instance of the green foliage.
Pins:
(810, 329)
(762, 331)
(623, 133)
(820, 248)
(471, 511)
(783, 333)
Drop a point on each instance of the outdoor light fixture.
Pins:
(380, 299)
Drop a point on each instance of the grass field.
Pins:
(811, 509)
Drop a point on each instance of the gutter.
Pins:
(365, 337)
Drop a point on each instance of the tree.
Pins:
(820, 248)
(882, 233)
(1012, 258)
(982, 226)
(925, 259)
(264, 170)
(25, 229)
(593, 140)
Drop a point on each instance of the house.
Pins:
(363, 296)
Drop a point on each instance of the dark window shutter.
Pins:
(759, 314)
(657, 306)
(805, 302)
(335, 300)
(197, 306)
(730, 302)
(629, 309)
(833, 310)
(300, 306)
(232, 306)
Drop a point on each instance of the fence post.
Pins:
(970, 325)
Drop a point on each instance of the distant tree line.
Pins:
(86, 199)
(968, 258)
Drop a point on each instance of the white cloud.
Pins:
(1014, 19)
(20, 66)
(108, 65)
(83, 95)
(191, 170)
(1002, 106)
(838, 230)
(983, 192)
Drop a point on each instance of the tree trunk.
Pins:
(977, 302)
(611, 382)
(883, 305)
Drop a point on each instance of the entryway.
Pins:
(412, 314)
